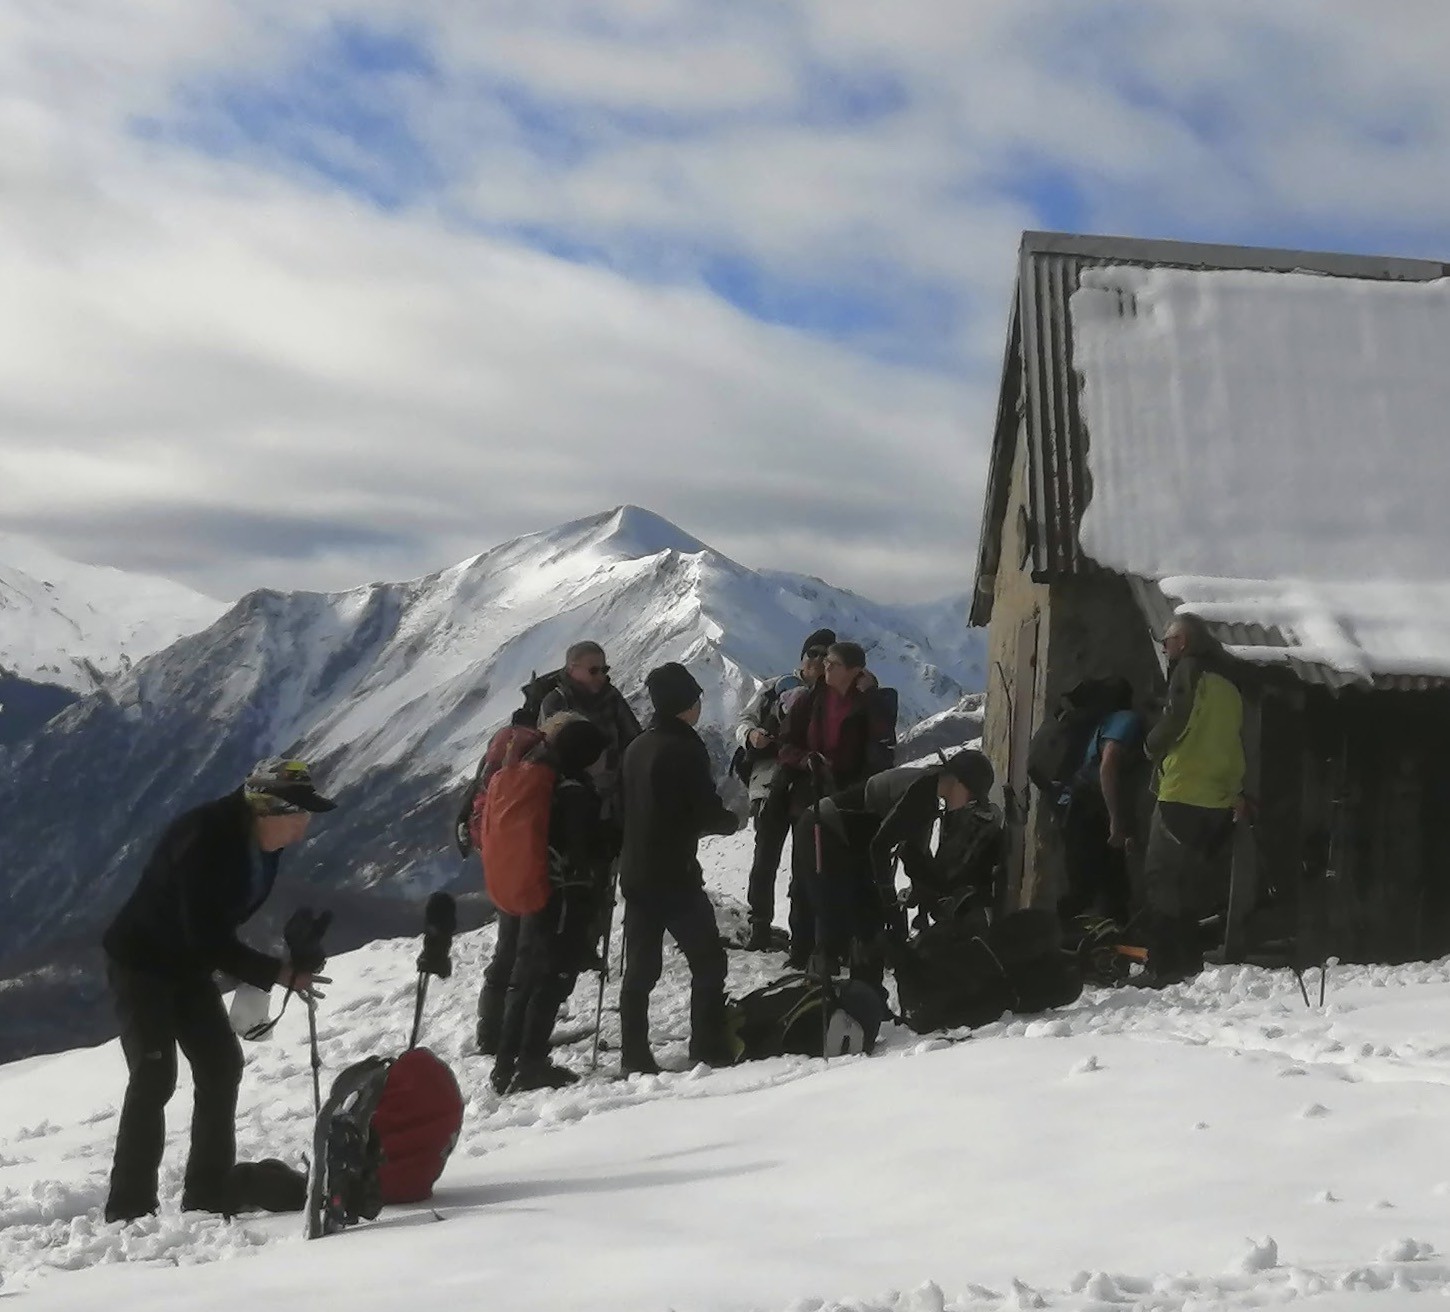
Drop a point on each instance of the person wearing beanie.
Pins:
(211, 870)
(669, 803)
(757, 737)
(865, 829)
(552, 945)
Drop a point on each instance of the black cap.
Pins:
(577, 745)
(973, 769)
(821, 638)
(672, 689)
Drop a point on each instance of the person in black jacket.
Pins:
(669, 802)
(551, 945)
(210, 871)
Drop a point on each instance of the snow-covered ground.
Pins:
(1218, 1144)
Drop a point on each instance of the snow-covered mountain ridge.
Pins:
(74, 625)
(391, 691)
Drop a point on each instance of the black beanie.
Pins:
(577, 745)
(820, 638)
(672, 689)
(970, 767)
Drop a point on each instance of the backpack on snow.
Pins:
(785, 1016)
(960, 972)
(513, 832)
(417, 1120)
(388, 1126)
(1057, 750)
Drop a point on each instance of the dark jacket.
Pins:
(669, 802)
(610, 712)
(577, 839)
(967, 864)
(861, 749)
(195, 890)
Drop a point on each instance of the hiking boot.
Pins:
(126, 1212)
(502, 1074)
(490, 1019)
(534, 1074)
(760, 938)
(210, 1200)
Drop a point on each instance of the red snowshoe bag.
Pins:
(417, 1123)
(509, 744)
(514, 841)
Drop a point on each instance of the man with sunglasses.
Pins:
(758, 736)
(586, 689)
(211, 871)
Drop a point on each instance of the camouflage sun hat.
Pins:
(278, 786)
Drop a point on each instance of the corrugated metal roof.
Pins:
(1040, 379)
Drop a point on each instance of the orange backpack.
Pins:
(514, 842)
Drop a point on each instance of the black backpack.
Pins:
(1057, 750)
(885, 710)
(785, 1016)
(535, 691)
(961, 972)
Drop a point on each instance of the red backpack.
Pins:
(514, 832)
(417, 1122)
(510, 743)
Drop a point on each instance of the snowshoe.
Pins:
(343, 1185)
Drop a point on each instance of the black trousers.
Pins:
(546, 949)
(158, 1015)
(686, 915)
(840, 897)
(500, 968)
(772, 828)
(1097, 875)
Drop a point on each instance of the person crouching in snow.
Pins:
(669, 803)
(211, 870)
(552, 945)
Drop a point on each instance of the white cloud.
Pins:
(230, 370)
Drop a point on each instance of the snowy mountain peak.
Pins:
(637, 532)
(74, 625)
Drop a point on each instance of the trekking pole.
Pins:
(603, 969)
(422, 995)
(1299, 975)
(1323, 971)
(316, 1059)
(820, 920)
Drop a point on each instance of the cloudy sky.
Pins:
(305, 295)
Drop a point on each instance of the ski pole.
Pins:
(820, 921)
(603, 969)
(418, 1008)
(316, 1059)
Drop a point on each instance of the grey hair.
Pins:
(580, 650)
(1198, 640)
(550, 727)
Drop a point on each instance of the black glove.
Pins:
(440, 921)
(303, 936)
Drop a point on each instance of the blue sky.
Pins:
(667, 242)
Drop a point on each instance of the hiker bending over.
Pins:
(210, 871)
(551, 945)
(863, 830)
(669, 802)
(835, 736)
(756, 762)
(1198, 758)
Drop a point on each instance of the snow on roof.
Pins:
(1274, 449)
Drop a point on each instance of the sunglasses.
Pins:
(596, 669)
(815, 653)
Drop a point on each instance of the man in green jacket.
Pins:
(1198, 764)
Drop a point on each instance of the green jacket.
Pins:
(1197, 747)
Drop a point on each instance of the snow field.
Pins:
(1214, 1145)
